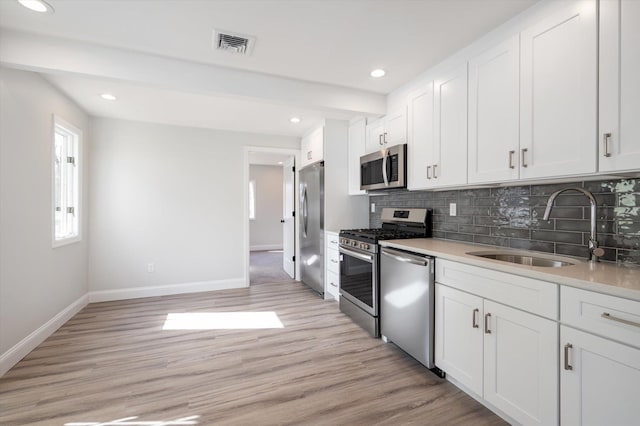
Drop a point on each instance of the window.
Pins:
(252, 199)
(66, 183)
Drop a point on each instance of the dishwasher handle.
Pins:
(402, 256)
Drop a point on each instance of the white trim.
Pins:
(262, 247)
(29, 343)
(245, 203)
(165, 290)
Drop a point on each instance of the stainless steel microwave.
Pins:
(384, 169)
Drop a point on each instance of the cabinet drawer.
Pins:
(332, 240)
(609, 316)
(537, 297)
(333, 261)
(333, 284)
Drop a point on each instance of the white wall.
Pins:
(171, 196)
(265, 231)
(37, 282)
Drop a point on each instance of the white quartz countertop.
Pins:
(607, 278)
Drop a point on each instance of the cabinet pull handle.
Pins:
(429, 172)
(607, 315)
(486, 323)
(524, 160)
(435, 176)
(309, 156)
(566, 356)
(511, 154)
(474, 318)
(606, 137)
(380, 139)
(384, 137)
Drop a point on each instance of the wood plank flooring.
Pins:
(113, 360)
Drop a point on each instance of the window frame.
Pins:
(76, 133)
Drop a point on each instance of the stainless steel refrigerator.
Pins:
(312, 226)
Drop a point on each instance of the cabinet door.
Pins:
(420, 139)
(619, 85)
(450, 147)
(357, 137)
(520, 352)
(458, 336)
(601, 386)
(395, 127)
(558, 109)
(316, 145)
(375, 133)
(494, 126)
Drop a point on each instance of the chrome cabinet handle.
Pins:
(474, 318)
(384, 137)
(429, 172)
(435, 176)
(524, 160)
(606, 137)
(486, 323)
(511, 154)
(380, 139)
(566, 356)
(607, 315)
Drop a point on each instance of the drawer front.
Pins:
(333, 284)
(333, 261)
(332, 240)
(609, 316)
(537, 297)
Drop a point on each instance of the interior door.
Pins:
(288, 226)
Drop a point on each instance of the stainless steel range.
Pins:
(360, 260)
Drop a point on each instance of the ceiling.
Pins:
(311, 58)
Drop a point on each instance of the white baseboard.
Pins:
(164, 290)
(29, 343)
(263, 247)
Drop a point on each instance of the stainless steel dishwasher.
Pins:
(407, 298)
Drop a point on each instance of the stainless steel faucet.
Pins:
(594, 251)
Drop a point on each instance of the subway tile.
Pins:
(557, 236)
(532, 245)
(447, 227)
(456, 236)
(560, 212)
(628, 213)
(631, 199)
(467, 201)
(473, 211)
(490, 221)
(628, 227)
(631, 242)
(629, 257)
(474, 229)
(467, 220)
(551, 188)
(485, 202)
(511, 191)
(491, 241)
(439, 234)
(510, 232)
(573, 250)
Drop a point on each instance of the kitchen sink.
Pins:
(526, 258)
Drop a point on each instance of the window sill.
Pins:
(66, 241)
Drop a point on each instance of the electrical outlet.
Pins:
(151, 267)
(452, 209)
(373, 207)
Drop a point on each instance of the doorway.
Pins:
(271, 224)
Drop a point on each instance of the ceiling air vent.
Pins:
(233, 42)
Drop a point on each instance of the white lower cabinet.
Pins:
(332, 267)
(504, 355)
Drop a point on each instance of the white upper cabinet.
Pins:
(420, 139)
(387, 131)
(357, 137)
(494, 98)
(619, 85)
(558, 93)
(450, 130)
(312, 147)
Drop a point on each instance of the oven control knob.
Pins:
(364, 246)
(354, 243)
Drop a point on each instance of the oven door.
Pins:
(359, 279)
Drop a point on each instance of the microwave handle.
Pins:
(384, 167)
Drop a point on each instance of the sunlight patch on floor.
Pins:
(221, 321)
(131, 421)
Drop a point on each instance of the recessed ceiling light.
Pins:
(108, 97)
(294, 120)
(378, 73)
(280, 162)
(37, 5)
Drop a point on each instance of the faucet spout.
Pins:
(594, 251)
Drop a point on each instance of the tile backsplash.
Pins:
(512, 217)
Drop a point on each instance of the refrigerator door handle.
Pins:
(305, 211)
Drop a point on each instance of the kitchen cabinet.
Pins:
(450, 130)
(388, 131)
(332, 271)
(599, 358)
(494, 126)
(558, 93)
(619, 148)
(357, 137)
(420, 142)
(312, 147)
(496, 335)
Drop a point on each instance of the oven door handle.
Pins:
(404, 257)
(365, 257)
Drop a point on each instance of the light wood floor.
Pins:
(113, 361)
